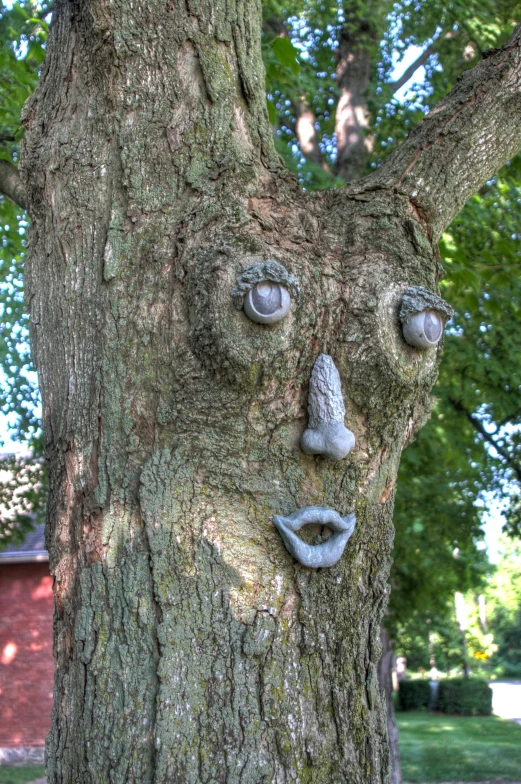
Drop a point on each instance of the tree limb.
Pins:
(422, 59)
(464, 140)
(488, 437)
(411, 70)
(11, 184)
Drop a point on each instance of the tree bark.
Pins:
(189, 645)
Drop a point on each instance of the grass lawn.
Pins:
(21, 775)
(435, 747)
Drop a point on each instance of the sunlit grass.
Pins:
(435, 748)
(21, 775)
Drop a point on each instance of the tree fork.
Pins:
(189, 645)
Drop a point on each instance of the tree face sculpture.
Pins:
(233, 410)
(190, 645)
(352, 284)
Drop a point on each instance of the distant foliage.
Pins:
(457, 696)
(23, 32)
(465, 697)
(22, 497)
(504, 610)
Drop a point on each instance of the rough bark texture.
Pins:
(189, 645)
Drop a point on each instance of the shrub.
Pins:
(465, 697)
(512, 670)
(414, 695)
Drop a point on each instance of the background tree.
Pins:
(470, 446)
(23, 32)
(503, 597)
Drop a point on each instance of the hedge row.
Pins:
(414, 695)
(465, 696)
(462, 696)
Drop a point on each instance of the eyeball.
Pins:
(423, 330)
(267, 302)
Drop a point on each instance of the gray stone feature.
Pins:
(423, 316)
(20, 756)
(267, 303)
(326, 433)
(423, 330)
(320, 555)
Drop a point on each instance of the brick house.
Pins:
(26, 662)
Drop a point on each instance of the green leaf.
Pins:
(287, 54)
(272, 111)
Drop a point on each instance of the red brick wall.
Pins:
(26, 663)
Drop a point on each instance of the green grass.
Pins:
(21, 775)
(435, 748)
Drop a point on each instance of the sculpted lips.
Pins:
(319, 555)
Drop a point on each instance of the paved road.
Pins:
(506, 699)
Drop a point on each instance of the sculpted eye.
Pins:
(264, 290)
(424, 329)
(423, 316)
(267, 303)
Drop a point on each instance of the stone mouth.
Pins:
(319, 555)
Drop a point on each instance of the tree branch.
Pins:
(488, 437)
(464, 140)
(422, 59)
(11, 184)
(411, 70)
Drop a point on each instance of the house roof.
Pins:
(32, 549)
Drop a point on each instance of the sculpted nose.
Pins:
(326, 435)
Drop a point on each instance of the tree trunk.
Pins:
(190, 646)
(385, 678)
